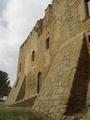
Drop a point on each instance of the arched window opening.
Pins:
(88, 7)
(20, 67)
(47, 43)
(39, 81)
(89, 38)
(33, 56)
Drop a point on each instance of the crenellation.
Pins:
(24, 43)
(48, 9)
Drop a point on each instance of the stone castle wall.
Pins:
(63, 66)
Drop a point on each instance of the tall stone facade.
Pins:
(53, 73)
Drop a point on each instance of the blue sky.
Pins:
(2, 5)
(17, 18)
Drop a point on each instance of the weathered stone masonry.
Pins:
(54, 63)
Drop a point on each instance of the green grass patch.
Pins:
(20, 114)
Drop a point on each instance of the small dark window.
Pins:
(89, 38)
(88, 7)
(47, 43)
(33, 56)
(39, 81)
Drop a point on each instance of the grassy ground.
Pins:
(20, 114)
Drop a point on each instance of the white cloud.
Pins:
(21, 15)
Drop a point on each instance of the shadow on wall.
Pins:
(22, 91)
(77, 100)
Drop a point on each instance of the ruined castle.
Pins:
(53, 73)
